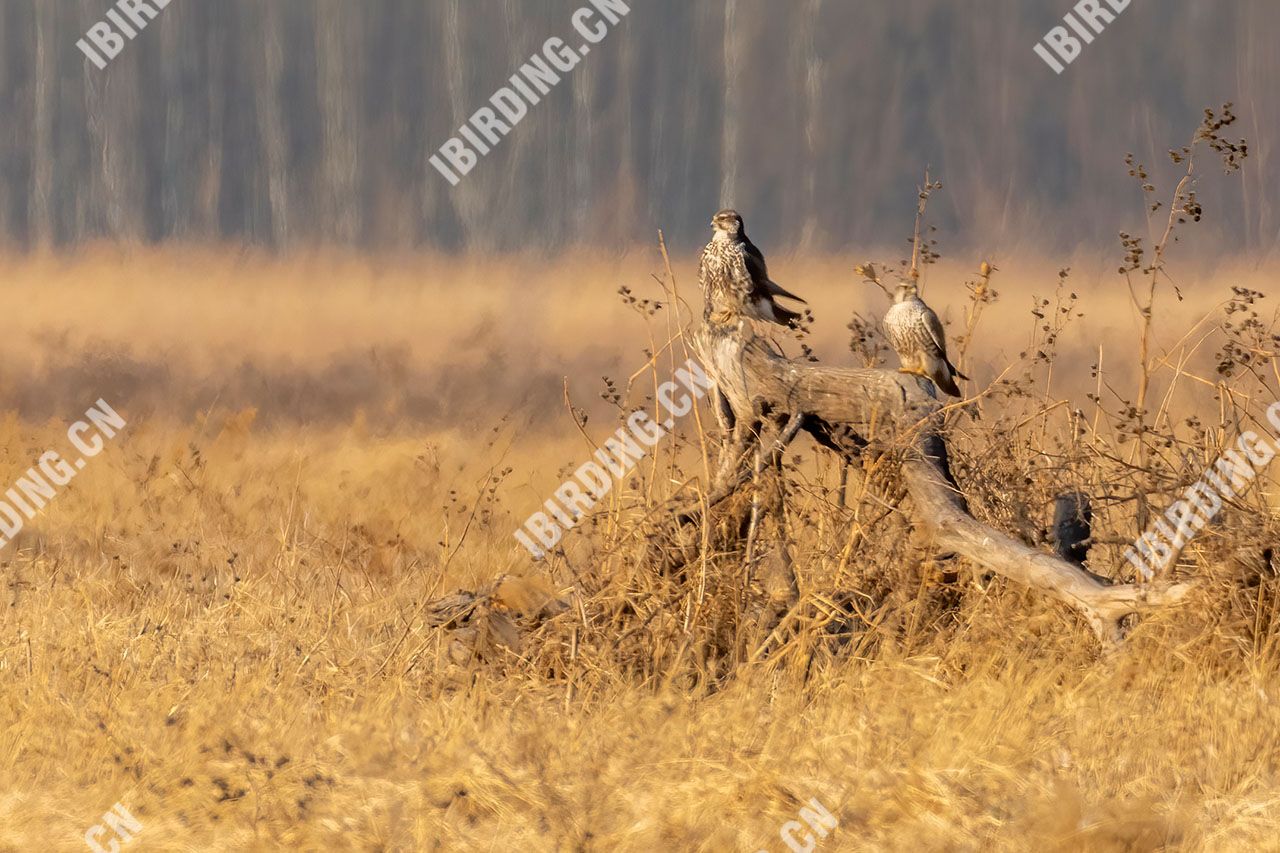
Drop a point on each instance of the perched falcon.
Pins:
(917, 336)
(735, 279)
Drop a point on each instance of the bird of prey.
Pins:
(735, 279)
(916, 335)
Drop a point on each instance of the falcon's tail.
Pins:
(774, 312)
(776, 289)
(946, 380)
(947, 384)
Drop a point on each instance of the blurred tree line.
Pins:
(290, 122)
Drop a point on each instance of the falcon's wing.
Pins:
(934, 327)
(744, 283)
(759, 271)
(776, 289)
(755, 261)
(757, 268)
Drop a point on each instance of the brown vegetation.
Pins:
(226, 623)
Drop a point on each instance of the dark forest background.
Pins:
(292, 122)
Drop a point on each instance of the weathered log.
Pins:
(868, 402)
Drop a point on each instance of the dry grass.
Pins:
(220, 624)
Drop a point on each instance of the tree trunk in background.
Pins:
(287, 121)
(582, 145)
(206, 217)
(696, 146)
(179, 52)
(45, 106)
(392, 135)
(271, 121)
(91, 201)
(112, 106)
(732, 105)
(439, 219)
(462, 103)
(340, 62)
(1257, 68)
(624, 199)
(522, 147)
(813, 114)
(10, 192)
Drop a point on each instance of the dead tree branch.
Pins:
(840, 407)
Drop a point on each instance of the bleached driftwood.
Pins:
(838, 407)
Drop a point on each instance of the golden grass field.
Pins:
(220, 623)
